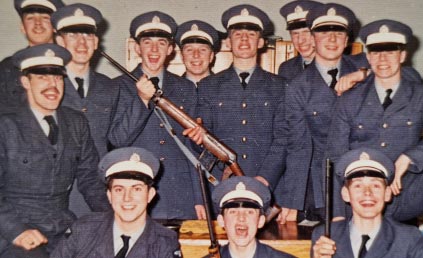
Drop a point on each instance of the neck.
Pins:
(129, 228)
(243, 251)
(327, 63)
(197, 77)
(365, 225)
(151, 73)
(78, 69)
(388, 83)
(245, 64)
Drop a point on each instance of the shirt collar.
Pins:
(381, 91)
(117, 239)
(355, 237)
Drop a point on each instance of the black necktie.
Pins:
(363, 250)
(54, 129)
(305, 65)
(80, 89)
(122, 252)
(244, 76)
(333, 73)
(155, 81)
(387, 101)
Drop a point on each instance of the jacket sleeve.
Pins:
(130, 118)
(88, 177)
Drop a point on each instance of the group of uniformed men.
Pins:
(59, 118)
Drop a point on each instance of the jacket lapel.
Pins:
(382, 243)
(401, 98)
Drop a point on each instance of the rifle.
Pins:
(214, 250)
(211, 143)
(328, 194)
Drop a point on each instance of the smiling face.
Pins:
(80, 45)
(244, 43)
(386, 65)
(241, 225)
(367, 196)
(44, 91)
(129, 199)
(197, 58)
(303, 42)
(153, 52)
(329, 46)
(37, 28)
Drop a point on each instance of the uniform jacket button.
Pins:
(244, 156)
(244, 122)
(162, 142)
(383, 144)
(385, 125)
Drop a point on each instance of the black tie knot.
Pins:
(80, 82)
(363, 250)
(387, 101)
(122, 252)
(54, 129)
(305, 65)
(333, 73)
(155, 81)
(244, 76)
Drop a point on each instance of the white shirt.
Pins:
(117, 239)
(355, 238)
(86, 78)
(43, 123)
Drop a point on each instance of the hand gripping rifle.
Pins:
(211, 143)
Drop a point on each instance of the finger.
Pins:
(199, 120)
(39, 238)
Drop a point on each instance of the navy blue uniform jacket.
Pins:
(136, 125)
(394, 240)
(360, 121)
(36, 178)
(309, 107)
(92, 237)
(250, 121)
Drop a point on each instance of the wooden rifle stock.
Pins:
(217, 148)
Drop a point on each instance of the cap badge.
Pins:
(245, 12)
(156, 19)
(364, 156)
(298, 9)
(79, 12)
(331, 12)
(240, 186)
(194, 27)
(135, 157)
(49, 53)
(383, 29)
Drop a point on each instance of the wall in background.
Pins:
(119, 13)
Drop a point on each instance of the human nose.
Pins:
(196, 53)
(127, 196)
(332, 36)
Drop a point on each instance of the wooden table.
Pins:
(290, 238)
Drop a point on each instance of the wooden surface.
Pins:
(290, 238)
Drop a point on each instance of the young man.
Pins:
(137, 123)
(36, 26)
(43, 148)
(242, 201)
(366, 174)
(243, 105)
(87, 91)
(198, 42)
(385, 113)
(127, 231)
(309, 103)
(295, 14)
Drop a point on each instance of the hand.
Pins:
(401, 167)
(201, 211)
(262, 180)
(287, 214)
(324, 248)
(197, 133)
(348, 81)
(145, 89)
(30, 239)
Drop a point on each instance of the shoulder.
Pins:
(161, 231)
(268, 251)
(402, 230)
(101, 77)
